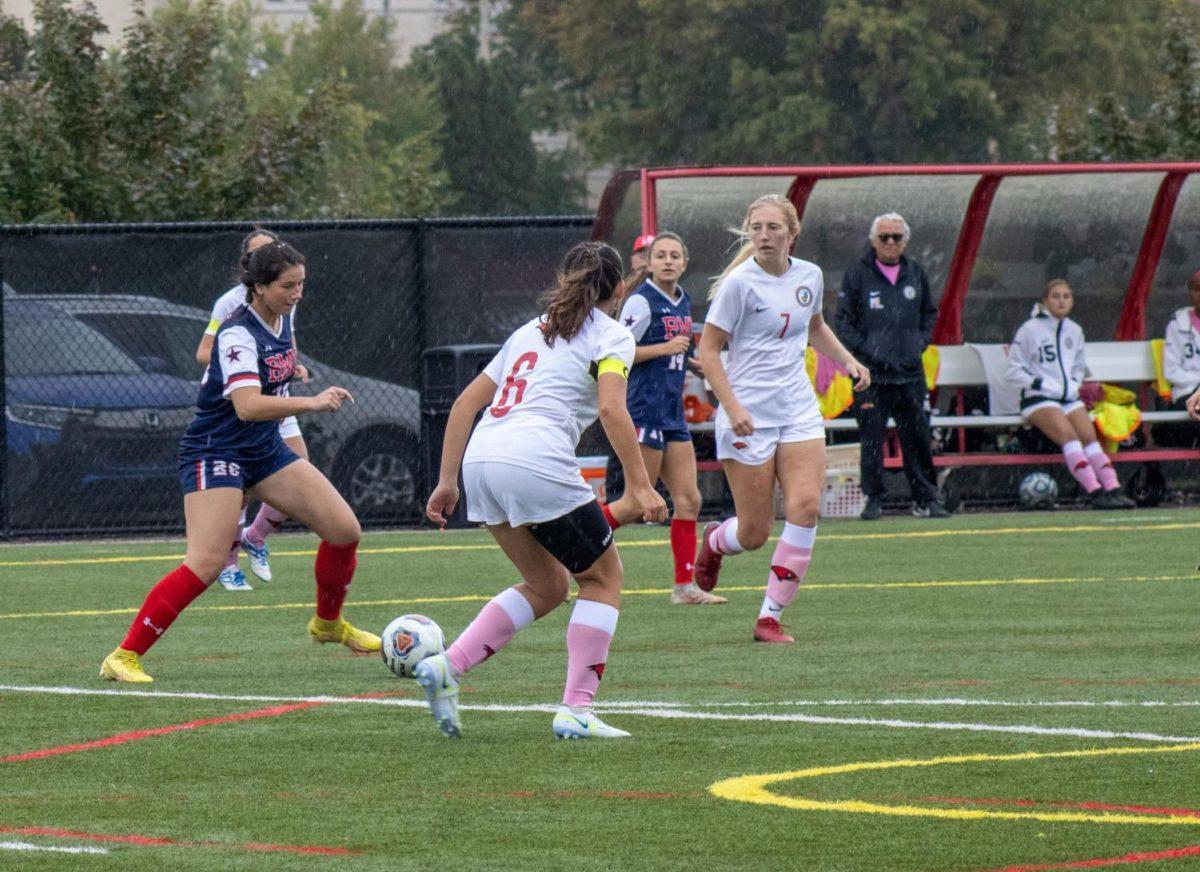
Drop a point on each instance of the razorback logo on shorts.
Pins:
(740, 446)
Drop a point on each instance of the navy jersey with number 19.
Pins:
(655, 397)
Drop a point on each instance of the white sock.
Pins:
(770, 609)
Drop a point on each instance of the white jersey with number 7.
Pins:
(546, 396)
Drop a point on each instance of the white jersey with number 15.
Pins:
(546, 396)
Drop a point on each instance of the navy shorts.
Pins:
(657, 438)
(213, 470)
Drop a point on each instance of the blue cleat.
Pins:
(232, 578)
(441, 692)
(259, 558)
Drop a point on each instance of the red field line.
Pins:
(1088, 806)
(156, 842)
(1099, 862)
(135, 735)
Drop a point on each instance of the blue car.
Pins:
(90, 430)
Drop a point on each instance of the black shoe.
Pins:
(1124, 501)
(873, 510)
(1108, 500)
(932, 509)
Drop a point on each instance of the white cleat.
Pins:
(259, 558)
(441, 692)
(568, 725)
(232, 578)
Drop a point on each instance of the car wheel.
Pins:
(377, 476)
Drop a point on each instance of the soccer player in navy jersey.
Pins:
(252, 539)
(659, 314)
(233, 446)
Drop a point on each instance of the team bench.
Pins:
(962, 367)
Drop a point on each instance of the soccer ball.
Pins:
(1037, 491)
(407, 641)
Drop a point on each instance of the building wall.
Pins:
(412, 22)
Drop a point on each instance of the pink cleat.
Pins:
(708, 561)
(769, 630)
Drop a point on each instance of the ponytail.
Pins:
(589, 274)
(790, 216)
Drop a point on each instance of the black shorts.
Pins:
(577, 539)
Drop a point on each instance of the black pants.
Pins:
(906, 404)
(1176, 434)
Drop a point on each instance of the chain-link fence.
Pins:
(101, 326)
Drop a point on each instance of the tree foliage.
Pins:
(1109, 126)
(757, 81)
(486, 140)
(200, 115)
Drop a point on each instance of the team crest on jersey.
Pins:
(910, 293)
(1069, 342)
(803, 295)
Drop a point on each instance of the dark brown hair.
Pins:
(590, 273)
(265, 264)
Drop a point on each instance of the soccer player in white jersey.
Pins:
(549, 382)
(269, 519)
(766, 306)
(1046, 361)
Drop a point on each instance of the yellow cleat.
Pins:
(123, 665)
(344, 633)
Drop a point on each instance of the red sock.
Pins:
(334, 570)
(608, 516)
(162, 606)
(683, 546)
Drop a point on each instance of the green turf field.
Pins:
(990, 692)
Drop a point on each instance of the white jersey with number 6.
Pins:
(767, 318)
(546, 396)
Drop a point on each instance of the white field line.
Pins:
(57, 849)
(680, 711)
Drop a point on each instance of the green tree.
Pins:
(1109, 126)
(486, 137)
(757, 81)
(200, 115)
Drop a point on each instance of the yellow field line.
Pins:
(753, 788)
(651, 543)
(644, 591)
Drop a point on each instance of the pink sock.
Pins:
(1102, 466)
(236, 549)
(265, 523)
(231, 559)
(1078, 463)
(724, 538)
(492, 629)
(588, 636)
(789, 564)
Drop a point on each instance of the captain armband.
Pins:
(613, 364)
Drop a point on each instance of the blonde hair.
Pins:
(790, 217)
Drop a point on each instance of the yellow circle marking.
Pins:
(754, 788)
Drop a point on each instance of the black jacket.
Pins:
(886, 326)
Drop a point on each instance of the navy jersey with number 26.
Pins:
(246, 353)
(655, 396)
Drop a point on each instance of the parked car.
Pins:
(369, 449)
(86, 425)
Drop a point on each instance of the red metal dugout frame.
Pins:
(948, 329)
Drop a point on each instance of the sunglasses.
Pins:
(890, 237)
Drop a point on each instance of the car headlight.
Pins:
(53, 417)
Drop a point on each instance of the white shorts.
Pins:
(759, 447)
(499, 493)
(1067, 408)
(289, 427)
